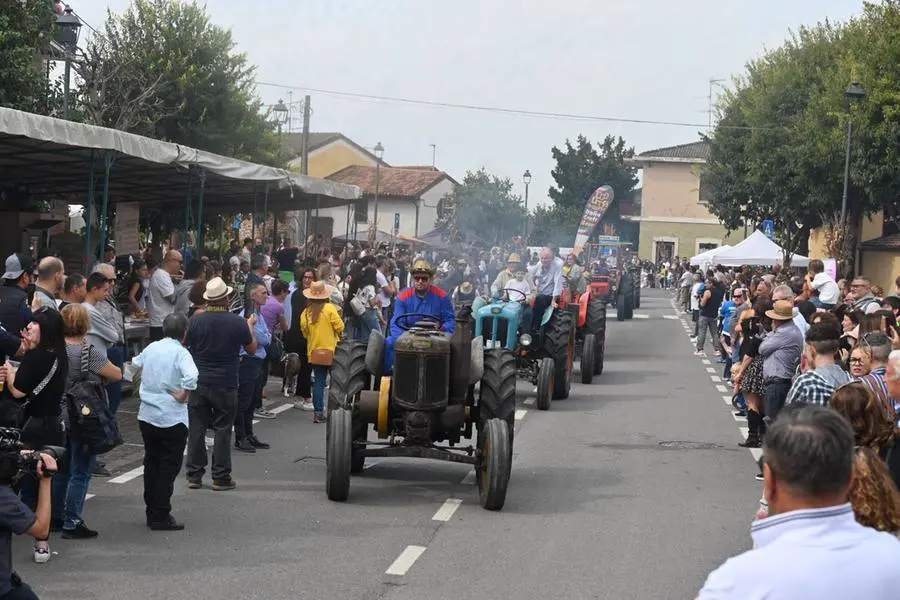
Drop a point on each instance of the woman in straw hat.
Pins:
(322, 327)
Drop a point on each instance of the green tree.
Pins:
(580, 169)
(484, 206)
(164, 70)
(26, 29)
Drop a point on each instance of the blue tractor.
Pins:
(543, 356)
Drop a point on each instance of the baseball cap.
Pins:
(16, 264)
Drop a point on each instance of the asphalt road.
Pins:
(633, 487)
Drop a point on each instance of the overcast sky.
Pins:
(648, 60)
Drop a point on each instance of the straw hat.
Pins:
(465, 287)
(422, 266)
(514, 258)
(318, 290)
(216, 289)
(783, 310)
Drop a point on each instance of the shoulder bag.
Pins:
(322, 357)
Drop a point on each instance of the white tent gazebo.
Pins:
(705, 257)
(757, 249)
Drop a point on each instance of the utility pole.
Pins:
(304, 164)
(433, 154)
(709, 111)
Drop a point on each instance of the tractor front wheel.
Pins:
(338, 453)
(587, 358)
(492, 476)
(545, 384)
(559, 342)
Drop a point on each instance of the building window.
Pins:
(361, 211)
(705, 194)
(444, 206)
(704, 247)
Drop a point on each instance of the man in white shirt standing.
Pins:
(827, 293)
(811, 545)
(386, 289)
(161, 293)
(784, 292)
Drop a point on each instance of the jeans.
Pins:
(249, 374)
(368, 321)
(116, 356)
(540, 307)
(163, 450)
(776, 392)
(70, 486)
(320, 373)
(705, 324)
(215, 406)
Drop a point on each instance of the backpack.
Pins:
(91, 422)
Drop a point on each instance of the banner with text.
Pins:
(126, 228)
(596, 207)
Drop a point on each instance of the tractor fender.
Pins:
(375, 353)
(583, 301)
(476, 371)
(548, 314)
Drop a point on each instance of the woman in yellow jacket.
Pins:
(322, 327)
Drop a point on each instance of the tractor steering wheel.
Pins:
(520, 292)
(423, 316)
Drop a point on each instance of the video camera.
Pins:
(15, 461)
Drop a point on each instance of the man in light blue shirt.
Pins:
(251, 375)
(811, 545)
(168, 372)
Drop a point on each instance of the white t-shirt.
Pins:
(161, 288)
(521, 286)
(695, 300)
(383, 299)
(829, 292)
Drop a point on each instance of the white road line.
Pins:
(126, 477)
(640, 316)
(520, 414)
(405, 561)
(715, 378)
(89, 496)
(727, 400)
(710, 369)
(280, 409)
(705, 361)
(445, 512)
(671, 317)
(745, 431)
(255, 421)
(739, 419)
(757, 453)
(529, 401)
(469, 479)
(722, 388)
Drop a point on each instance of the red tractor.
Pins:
(589, 313)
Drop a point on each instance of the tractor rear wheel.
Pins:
(492, 476)
(545, 384)
(628, 294)
(587, 358)
(348, 374)
(559, 342)
(338, 451)
(637, 292)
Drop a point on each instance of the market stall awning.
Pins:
(43, 158)
(757, 249)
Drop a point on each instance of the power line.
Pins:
(496, 109)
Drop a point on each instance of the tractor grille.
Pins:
(488, 330)
(405, 387)
(437, 380)
(423, 383)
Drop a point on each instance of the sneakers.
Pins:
(81, 532)
(307, 406)
(262, 413)
(700, 353)
(41, 552)
(319, 418)
(170, 524)
(759, 476)
(100, 470)
(223, 485)
(194, 484)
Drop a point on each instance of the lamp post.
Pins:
(68, 27)
(854, 92)
(379, 152)
(526, 178)
(281, 114)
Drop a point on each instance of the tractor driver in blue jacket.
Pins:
(422, 298)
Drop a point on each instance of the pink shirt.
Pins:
(271, 312)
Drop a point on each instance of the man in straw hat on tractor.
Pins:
(422, 298)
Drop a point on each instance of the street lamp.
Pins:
(854, 92)
(68, 27)
(281, 114)
(526, 178)
(379, 152)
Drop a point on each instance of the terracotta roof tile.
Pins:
(887, 242)
(694, 150)
(394, 181)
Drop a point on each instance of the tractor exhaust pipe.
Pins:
(461, 356)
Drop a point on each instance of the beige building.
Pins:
(674, 219)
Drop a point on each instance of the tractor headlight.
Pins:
(525, 339)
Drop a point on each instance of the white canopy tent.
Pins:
(757, 249)
(705, 257)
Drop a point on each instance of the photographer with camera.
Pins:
(38, 384)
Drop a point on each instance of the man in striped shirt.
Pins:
(823, 376)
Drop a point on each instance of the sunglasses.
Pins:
(855, 360)
(421, 277)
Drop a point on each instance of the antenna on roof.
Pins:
(433, 153)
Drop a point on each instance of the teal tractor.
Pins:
(543, 356)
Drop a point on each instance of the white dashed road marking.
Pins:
(469, 479)
(128, 476)
(705, 361)
(710, 369)
(727, 400)
(280, 409)
(520, 414)
(405, 561)
(672, 317)
(715, 378)
(745, 431)
(529, 401)
(445, 512)
(757, 453)
(722, 388)
(641, 316)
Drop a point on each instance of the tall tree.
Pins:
(164, 70)
(26, 29)
(483, 206)
(580, 169)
